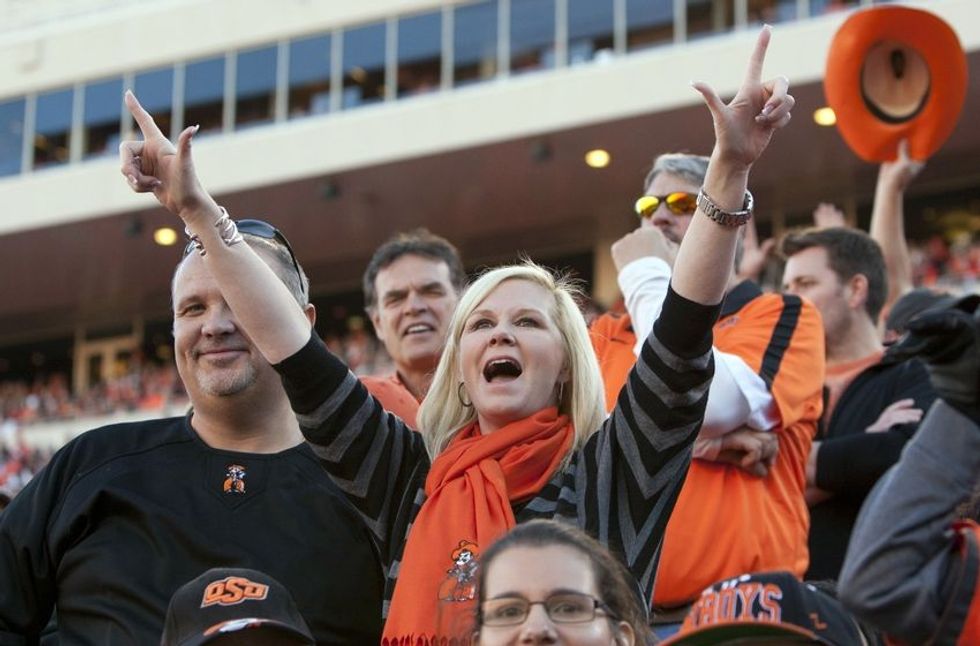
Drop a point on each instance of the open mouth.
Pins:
(218, 354)
(418, 328)
(504, 369)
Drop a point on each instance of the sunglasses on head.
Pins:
(678, 203)
(261, 229)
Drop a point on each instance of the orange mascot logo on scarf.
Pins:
(470, 490)
(460, 583)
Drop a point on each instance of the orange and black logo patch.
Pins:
(232, 590)
(234, 479)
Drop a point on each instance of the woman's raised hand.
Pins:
(744, 126)
(156, 166)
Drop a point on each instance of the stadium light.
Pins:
(597, 158)
(165, 237)
(824, 116)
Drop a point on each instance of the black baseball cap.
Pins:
(913, 303)
(766, 605)
(226, 601)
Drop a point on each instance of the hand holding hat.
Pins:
(899, 173)
(895, 73)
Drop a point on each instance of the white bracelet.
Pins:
(227, 231)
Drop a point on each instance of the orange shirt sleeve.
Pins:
(761, 334)
(394, 397)
(613, 340)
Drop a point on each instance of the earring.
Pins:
(460, 390)
(561, 392)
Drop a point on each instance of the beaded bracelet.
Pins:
(227, 231)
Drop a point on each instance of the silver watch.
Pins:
(726, 218)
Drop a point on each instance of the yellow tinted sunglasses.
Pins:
(678, 203)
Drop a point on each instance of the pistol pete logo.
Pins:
(232, 590)
(234, 479)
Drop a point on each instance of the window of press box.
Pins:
(52, 127)
(255, 87)
(11, 136)
(364, 65)
(475, 42)
(204, 90)
(820, 7)
(309, 76)
(419, 54)
(651, 22)
(709, 17)
(102, 117)
(532, 35)
(590, 30)
(771, 11)
(155, 90)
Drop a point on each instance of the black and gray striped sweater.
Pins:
(620, 487)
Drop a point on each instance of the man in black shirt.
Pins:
(125, 514)
(874, 399)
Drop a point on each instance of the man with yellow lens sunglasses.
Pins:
(744, 489)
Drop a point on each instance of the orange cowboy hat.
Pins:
(895, 73)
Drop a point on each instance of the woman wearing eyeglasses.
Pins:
(513, 426)
(547, 582)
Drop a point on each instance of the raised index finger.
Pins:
(143, 119)
(753, 75)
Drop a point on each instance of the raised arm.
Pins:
(632, 469)
(888, 220)
(261, 302)
(370, 454)
(743, 129)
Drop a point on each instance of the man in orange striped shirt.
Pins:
(769, 368)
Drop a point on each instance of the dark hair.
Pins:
(616, 586)
(419, 242)
(849, 252)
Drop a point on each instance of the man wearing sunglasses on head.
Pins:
(742, 505)
(124, 515)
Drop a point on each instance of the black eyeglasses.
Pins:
(678, 203)
(561, 607)
(261, 229)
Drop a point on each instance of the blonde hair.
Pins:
(443, 414)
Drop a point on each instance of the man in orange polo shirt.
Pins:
(411, 287)
(769, 368)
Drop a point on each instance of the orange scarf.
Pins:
(469, 491)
